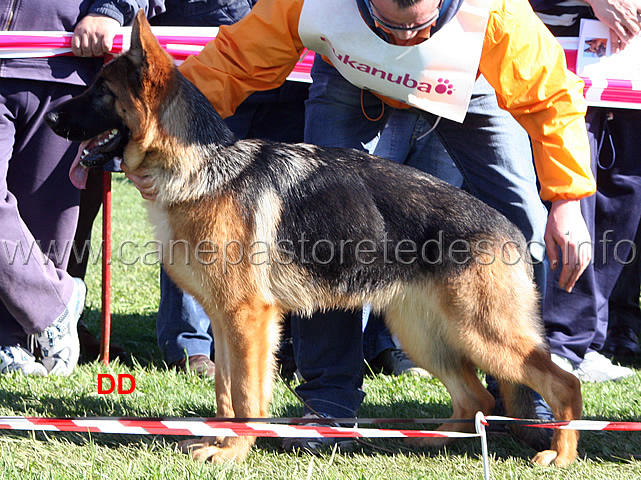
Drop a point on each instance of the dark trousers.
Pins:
(624, 301)
(577, 322)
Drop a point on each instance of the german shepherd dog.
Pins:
(279, 228)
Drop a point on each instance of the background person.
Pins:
(38, 203)
(624, 320)
(577, 324)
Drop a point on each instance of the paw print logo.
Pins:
(444, 86)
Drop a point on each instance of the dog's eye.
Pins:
(103, 89)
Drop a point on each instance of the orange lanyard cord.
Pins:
(365, 113)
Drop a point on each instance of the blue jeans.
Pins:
(182, 326)
(493, 155)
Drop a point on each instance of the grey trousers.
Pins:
(38, 209)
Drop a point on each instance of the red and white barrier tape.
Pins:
(181, 42)
(593, 425)
(270, 427)
(215, 428)
(208, 427)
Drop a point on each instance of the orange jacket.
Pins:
(520, 59)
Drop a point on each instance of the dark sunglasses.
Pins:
(399, 28)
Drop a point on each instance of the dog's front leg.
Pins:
(224, 408)
(246, 368)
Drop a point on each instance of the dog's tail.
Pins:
(519, 403)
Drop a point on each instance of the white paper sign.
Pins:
(596, 60)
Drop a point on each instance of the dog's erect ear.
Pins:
(144, 44)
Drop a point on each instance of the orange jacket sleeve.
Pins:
(527, 68)
(256, 53)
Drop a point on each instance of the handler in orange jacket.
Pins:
(516, 53)
(420, 82)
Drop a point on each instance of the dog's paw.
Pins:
(545, 458)
(429, 442)
(201, 449)
(208, 449)
(204, 453)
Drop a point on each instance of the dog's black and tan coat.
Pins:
(254, 229)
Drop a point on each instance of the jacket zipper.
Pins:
(14, 3)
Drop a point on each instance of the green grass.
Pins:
(162, 392)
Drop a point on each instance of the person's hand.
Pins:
(94, 35)
(622, 16)
(142, 180)
(566, 228)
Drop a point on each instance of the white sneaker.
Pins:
(598, 368)
(59, 341)
(18, 359)
(564, 364)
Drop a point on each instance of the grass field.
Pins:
(162, 392)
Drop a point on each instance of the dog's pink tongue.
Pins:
(77, 173)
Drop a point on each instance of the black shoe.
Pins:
(317, 445)
(543, 410)
(622, 342)
(285, 359)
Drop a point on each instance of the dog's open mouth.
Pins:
(96, 152)
(102, 148)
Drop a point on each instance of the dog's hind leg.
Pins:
(468, 395)
(421, 330)
(562, 391)
(250, 336)
(495, 308)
